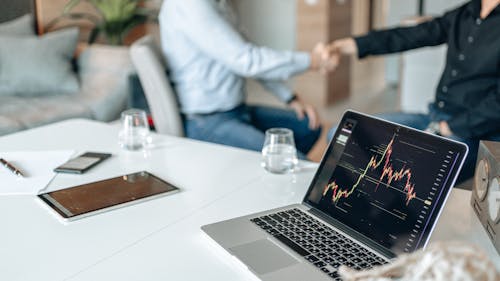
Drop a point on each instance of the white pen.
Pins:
(11, 168)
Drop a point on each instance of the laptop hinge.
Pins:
(351, 232)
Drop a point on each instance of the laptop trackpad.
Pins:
(263, 256)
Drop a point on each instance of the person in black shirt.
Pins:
(467, 103)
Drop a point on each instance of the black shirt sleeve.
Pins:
(480, 120)
(430, 33)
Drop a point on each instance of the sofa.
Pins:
(102, 85)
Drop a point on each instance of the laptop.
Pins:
(377, 193)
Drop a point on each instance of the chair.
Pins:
(149, 63)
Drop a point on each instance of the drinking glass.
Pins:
(279, 154)
(134, 134)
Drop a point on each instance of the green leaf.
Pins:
(145, 12)
(118, 17)
(93, 34)
(133, 22)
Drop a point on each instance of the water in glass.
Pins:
(135, 133)
(279, 154)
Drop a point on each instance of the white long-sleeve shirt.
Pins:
(208, 59)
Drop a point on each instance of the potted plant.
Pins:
(115, 18)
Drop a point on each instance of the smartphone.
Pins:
(82, 163)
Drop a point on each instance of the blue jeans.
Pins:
(421, 122)
(245, 127)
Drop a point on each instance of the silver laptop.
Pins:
(378, 192)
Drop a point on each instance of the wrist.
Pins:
(445, 129)
(314, 61)
(434, 128)
(292, 99)
(350, 47)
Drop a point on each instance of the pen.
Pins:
(11, 167)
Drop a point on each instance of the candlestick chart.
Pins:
(384, 182)
(388, 175)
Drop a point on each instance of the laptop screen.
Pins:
(385, 181)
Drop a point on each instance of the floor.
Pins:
(385, 101)
(370, 103)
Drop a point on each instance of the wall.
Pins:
(10, 9)
(272, 22)
(398, 10)
(269, 22)
(441, 6)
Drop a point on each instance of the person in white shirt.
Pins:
(209, 60)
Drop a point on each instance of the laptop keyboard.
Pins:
(322, 246)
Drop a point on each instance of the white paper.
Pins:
(37, 167)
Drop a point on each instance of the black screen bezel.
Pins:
(446, 144)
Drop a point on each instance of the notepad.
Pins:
(37, 167)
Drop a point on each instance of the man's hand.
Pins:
(444, 129)
(323, 60)
(304, 109)
(326, 58)
(344, 46)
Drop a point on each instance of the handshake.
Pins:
(326, 57)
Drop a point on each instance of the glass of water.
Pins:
(134, 134)
(279, 154)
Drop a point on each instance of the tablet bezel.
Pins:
(53, 204)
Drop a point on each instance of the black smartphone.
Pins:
(82, 163)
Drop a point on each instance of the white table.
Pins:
(159, 239)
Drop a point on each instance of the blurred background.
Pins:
(390, 83)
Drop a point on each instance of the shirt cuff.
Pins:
(363, 44)
(302, 61)
(458, 126)
(282, 92)
(292, 98)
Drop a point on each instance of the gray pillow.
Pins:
(22, 26)
(33, 66)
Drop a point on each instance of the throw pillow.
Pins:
(33, 66)
(22, 26)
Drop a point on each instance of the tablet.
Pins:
(93, 198)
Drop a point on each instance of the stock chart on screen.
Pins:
(389, 177)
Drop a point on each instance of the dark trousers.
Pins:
(245, 127)
(421, 122)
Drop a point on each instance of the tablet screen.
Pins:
(107, 194)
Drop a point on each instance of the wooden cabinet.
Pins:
(325, 21)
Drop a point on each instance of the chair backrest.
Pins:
(150, 66)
